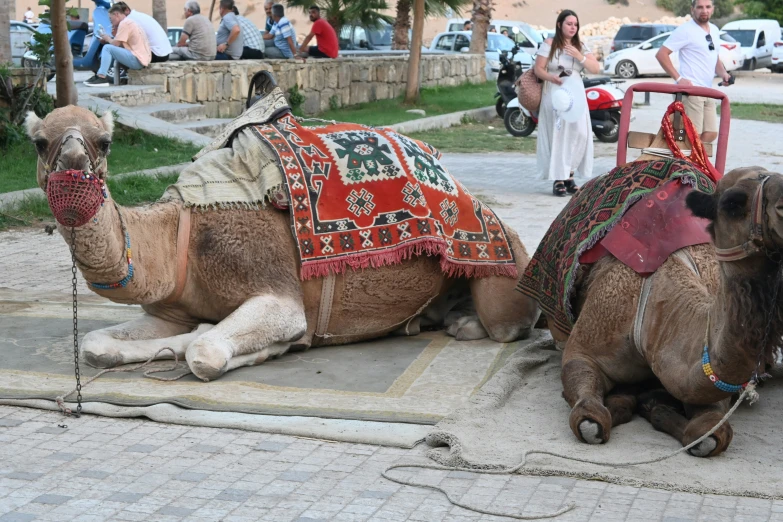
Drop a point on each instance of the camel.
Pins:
(243, 301)
(727, 293)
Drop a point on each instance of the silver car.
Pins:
(459, 41)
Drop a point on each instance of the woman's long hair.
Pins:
(559, 40)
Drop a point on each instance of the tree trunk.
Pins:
(63, 60)
(5, 30)
(414, 59)
(211, 9)
(159, 13)
(401, 25)
(482, 13)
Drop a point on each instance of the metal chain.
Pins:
(74, 281)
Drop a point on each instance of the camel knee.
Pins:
(99, 350)
(208, 358)
(591, 421)
(714, 445)
(467, 328)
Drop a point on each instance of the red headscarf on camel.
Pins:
(698, 157)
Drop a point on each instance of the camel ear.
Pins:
(108, 121)
(32, 124)
(702, 205)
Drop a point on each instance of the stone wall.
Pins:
(222, 86)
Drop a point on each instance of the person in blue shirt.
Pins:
(282, 33)
(268, 11)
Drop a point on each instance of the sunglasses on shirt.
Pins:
(709, 39)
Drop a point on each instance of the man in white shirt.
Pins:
(158, 39)
(698, 43)
(29, 15)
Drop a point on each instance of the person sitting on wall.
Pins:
(325, 36)
(467, 26)
(282, 34)
(198, 41)
(129, 47)
(156, 36)
(230, 41)
(251, 36)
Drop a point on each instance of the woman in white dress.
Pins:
(563, 147)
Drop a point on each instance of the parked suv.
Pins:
(634, 34)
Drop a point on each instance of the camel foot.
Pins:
(467, 328)
(101, 359)
(208, 359)
(98, 352)
(704, 448)
(591, 421)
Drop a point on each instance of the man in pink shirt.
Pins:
(129, 47)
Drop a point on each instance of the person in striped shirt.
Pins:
(251, 38)
(282, 34)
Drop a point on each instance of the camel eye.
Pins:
(104, 145)
(41, 145)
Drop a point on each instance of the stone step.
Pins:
(210, 127)
(130, 95)
(175, 112)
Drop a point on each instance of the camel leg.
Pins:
(505, 313)
(621, 404)
(666, 414)
(702, 419)
(262, 327)
(584, 388)
(137, 341)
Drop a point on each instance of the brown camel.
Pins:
(607, 375)
(243, 300)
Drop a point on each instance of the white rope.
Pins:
(749, 393)
(663, 153)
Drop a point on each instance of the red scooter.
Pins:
(604, 99)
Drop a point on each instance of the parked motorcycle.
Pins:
(78, 32)
(604, 100)
(510, 70)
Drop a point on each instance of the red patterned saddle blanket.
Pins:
(364, 197)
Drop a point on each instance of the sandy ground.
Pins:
(536, 12)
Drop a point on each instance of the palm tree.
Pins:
(402, 23)
(5, 30)
(341, 12)
(482, 14)
(159, 12)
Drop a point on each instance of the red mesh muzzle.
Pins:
(74, 197)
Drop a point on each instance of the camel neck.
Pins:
(101, 253)
(745, 319)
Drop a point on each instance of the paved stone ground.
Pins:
(99, 469)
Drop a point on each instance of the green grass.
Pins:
(476, 137)
(434, 101)
(756, 111)
(128, 191)
(131, 150)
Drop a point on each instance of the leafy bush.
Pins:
(16, 102)
(295, 98)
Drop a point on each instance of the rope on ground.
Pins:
(60, 399)
(749, 393)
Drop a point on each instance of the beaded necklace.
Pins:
(708, 371)
(122, 283)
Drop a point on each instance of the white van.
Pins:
(756, 38)
(528, 38)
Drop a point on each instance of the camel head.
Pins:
(72, 145)
(746, 213)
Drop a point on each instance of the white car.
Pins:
(21, 34)
(757, 38)
(777, 55)
(640, 60)
(459, 41)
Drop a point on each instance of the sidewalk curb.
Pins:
(444, 120)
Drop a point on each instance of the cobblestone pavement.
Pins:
(94, 469)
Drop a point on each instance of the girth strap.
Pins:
(183, 243)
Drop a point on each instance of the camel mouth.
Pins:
(75, 196)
